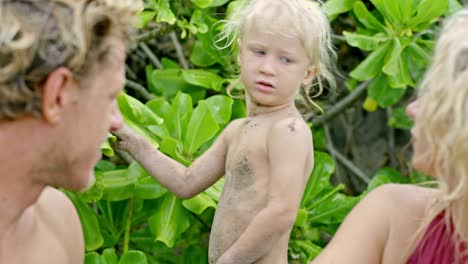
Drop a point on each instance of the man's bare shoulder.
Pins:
(60, 216)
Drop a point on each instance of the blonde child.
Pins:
(410, 224)
(266, 157)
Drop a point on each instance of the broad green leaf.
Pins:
(160, 107)
(380, 91)
(419, 53)
(132, 121)
(89, 223)
(104, 165)
(170, 146)
(217, 3)
(428, 11)
(199, 203)
(320, 177)
(204, 79)
(391, 66)
(170, 220)
(364, 42)
(165, 13)
(386, 175)
(202, 127)
(221, 108)
(372, 65)
(201, 55)
(106, 149)
(181, 111)
(169, 64)
(388, 9)
(92, 258)
(141, 113)
(117, 185)
(403, 75)
(145, 17)
(202, 3)
(333, 210)
(335, 7)
(109, 256)
(133, 257)
(168, 82)
(148, 188)
(399, 119)
(94, 193)
(215, 190)
(366, 17)
(320, 140)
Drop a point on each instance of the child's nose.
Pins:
(267, 66)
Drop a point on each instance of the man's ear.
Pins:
(59, 91)
(309, 75)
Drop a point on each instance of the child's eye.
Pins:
(286, 60)
(259, 52)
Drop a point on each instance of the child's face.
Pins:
(273, 67)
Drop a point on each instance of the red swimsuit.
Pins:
(437, 245)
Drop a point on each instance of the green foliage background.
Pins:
(176, 97)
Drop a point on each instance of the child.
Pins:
(266, 157)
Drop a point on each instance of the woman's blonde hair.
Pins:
(39, 36)
(295, 18)
(442, 125)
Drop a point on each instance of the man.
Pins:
(62, 64)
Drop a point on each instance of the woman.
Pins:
(411, 224)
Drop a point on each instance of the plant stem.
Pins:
(128, 226)
(179, 50)
(139, 89)
(154, 60)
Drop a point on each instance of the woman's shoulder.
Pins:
(405, 196)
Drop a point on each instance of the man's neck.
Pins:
(18, 191)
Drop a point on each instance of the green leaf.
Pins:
(335, 7)
(168, 82)
(221, 108)
(169, 64)
(301, 218)
(364, 42)
(217, 3)
(131, 117)
(399, 119)
(144, 17)
(148, 188)
(141, 113)
(429, 11)
(94, 193)
(380, 90)
(311, 249)
(333, 210)
(202, 126)
(170, 147)
(201, 55)
(319, 180)
(366, 17)
(133, 257)
(118, 185)
(165, 13)
(106, 149)
(202, 3)
(181, 112)
(391, 67)
(372, 65)
(388, 8)
(89, 223)
(109, 256)
(214, 192)
(170, 220)
(384, 176)
(204, 79)
(199, 203)
(92, 258)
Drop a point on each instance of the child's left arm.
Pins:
(290, 154)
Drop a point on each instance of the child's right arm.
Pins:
(183, 182)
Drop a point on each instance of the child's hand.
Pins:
(124, 137)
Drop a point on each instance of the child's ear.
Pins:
(309, 75)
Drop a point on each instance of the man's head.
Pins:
(62, 63)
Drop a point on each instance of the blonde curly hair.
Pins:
(442, 125)
(304, 19)
(39, 36)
